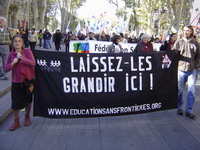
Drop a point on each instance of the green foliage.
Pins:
(53, 23)
(50, 15)
(167, 12)
(13, 8)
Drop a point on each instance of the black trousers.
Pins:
(57, 45)
(32, 45)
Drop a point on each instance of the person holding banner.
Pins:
(115, 47)
(22, 62)
(144, 45)
(167, 45)
(187, 68)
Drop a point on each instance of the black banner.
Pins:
(83, 85)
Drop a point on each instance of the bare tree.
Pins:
(114, 2)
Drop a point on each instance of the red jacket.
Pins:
(24, 68)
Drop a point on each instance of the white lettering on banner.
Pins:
(89, 84)
(102, 47)
(102, 60)
(141, 60)
(104, 111)
(106, 62)
(133, 82)
(72, 65)
(119, 64)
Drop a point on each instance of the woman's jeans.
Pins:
(40, 42)
(190, 77)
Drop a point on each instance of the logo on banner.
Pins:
(54, 66)
(81, 47)
(166, 62)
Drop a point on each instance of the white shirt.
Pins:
(1, 29)
(117, 48)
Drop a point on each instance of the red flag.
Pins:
(23, 23)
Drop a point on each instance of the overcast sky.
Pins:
(96, 7)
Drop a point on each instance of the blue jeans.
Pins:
(40, 44)
(189, 77)
(4, 50)
(48, 44)
(45, 43)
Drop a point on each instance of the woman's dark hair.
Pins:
(122, 35)
(115, 38)
(172, 34)
(27, 31)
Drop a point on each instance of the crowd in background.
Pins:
(44, 38)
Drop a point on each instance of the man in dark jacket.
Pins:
(47, 39)
(57, 39)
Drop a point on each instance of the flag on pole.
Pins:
(67, 28)
(23, 23)
(86, 23)
(78, 28)
(173, 30)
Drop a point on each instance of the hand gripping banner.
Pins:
(89, 85)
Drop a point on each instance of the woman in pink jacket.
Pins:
(22, 62)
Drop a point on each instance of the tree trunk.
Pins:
(179, 14)
(35, 13)
(169, 7)
(150, 17)
(62, 8)
(4, 8)
(42, 14)
(70, 12)
(63, 13)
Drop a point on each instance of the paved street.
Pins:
(150, 131)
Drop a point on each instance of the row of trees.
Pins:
(67, 10)
(148, 15)
(45, 11)
(155, 15)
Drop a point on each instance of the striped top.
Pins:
(5, 37)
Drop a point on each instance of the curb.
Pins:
(5, 115)
(5, 90)
(8, 111)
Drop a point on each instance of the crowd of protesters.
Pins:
(44, 39)
(21, 61)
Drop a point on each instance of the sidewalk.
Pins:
(5, 97)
